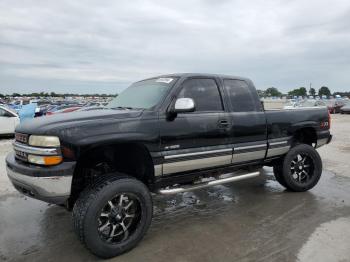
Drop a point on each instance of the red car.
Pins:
(65, 110)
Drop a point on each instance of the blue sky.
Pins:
(102, 46)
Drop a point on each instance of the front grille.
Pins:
(21, 155)
(22, 138)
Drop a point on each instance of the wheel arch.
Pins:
(131, 158)
(305, 135)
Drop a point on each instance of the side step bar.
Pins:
(219, 181)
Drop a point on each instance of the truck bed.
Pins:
(284, 122)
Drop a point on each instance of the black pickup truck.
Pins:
(161, 135)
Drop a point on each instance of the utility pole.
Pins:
(310, 89)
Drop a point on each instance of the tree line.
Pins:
(301, 91)
(53, 94)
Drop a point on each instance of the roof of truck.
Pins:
(203, 75)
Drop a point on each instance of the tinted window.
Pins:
(204, 92)
(2, 112)
(240, 95)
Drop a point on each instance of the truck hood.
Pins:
(54, 124)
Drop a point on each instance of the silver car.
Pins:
(345, 109)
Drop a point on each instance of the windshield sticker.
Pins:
(164, 80)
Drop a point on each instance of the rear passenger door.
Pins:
(248, 131)
(196, 140)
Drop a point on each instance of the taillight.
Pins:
(326, 124)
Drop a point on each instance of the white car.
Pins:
(8, 121)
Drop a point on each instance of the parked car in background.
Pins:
(8, 121)
(66, 110)
(90, 104)
(312, 103)
(334, 106)
(293, 104)
(56, 108)
(90, 108)
(41, 110)
(345, 109)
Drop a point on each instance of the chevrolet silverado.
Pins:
(161, 135)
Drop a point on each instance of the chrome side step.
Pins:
(220, 181)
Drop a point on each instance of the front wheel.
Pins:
(112, 216)
(301, 168)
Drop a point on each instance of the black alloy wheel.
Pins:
(119, 218)
(300, 169)
(113, 214)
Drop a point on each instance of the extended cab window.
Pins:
(204, 92)
(240, 95)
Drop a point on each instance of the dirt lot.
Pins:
(255, 220)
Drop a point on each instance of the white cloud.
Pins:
(112, 43)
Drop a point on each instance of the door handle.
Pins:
(223, 123)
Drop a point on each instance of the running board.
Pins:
(219, 181)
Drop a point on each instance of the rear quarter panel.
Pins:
(284, 123)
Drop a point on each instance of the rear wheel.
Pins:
(301, 168)
(113, 215)
(277, 171)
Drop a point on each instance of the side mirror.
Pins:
(183, 105)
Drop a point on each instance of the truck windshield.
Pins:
(144, 94)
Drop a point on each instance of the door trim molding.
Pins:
(199, 153)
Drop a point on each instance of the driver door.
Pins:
(196, 140)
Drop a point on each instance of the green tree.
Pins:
(298, 92)
(324, 91)
(272, 91)
(312, 91)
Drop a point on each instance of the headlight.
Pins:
(44, 141)
(44, 160)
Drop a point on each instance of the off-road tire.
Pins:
(277, 171)
(87, 209)
(284, 174)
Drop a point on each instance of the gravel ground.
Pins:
(336, 155)
(5, 185)
(253, 220)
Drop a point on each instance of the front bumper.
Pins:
(49, 184)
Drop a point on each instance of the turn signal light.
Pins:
(45, 160)
(52, 160)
